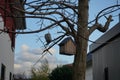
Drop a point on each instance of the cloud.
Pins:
(17, 66)
(24, 47)
(26, 58)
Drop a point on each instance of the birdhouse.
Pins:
(67, 47)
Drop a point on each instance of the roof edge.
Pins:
(113, 32)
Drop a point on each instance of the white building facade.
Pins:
(6, 55)
(89, 68)
(106, 56)
(89, 73)
(7, 39)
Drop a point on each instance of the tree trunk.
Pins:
(80, 60)
(79, 65)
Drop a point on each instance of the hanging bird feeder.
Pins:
(67, 47)
(48, 38)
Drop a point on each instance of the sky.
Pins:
(28, 49)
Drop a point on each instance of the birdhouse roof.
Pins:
(66, 40)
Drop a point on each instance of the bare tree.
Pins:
(71, 17)
(42, 72)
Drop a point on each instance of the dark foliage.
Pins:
(61, 73)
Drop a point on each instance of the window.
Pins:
(3, 72)
(106, 74)
(10, 76)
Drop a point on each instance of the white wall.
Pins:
(89, 73)
(6, 53)
(106, 57)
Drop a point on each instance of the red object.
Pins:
(6, 12)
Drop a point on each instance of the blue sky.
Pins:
(28, 47)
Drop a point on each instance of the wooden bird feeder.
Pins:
(67, 47)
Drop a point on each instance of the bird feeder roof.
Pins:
(66, 40)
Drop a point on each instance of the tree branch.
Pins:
(100, 27)
(30, 32)
(103, 29)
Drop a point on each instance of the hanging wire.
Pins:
(47, 50)
(43, 54)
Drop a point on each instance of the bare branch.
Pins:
(109, 12)
(100, 27)
(58, 39)
(103, 29)
(30, 32)
(57, 5)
